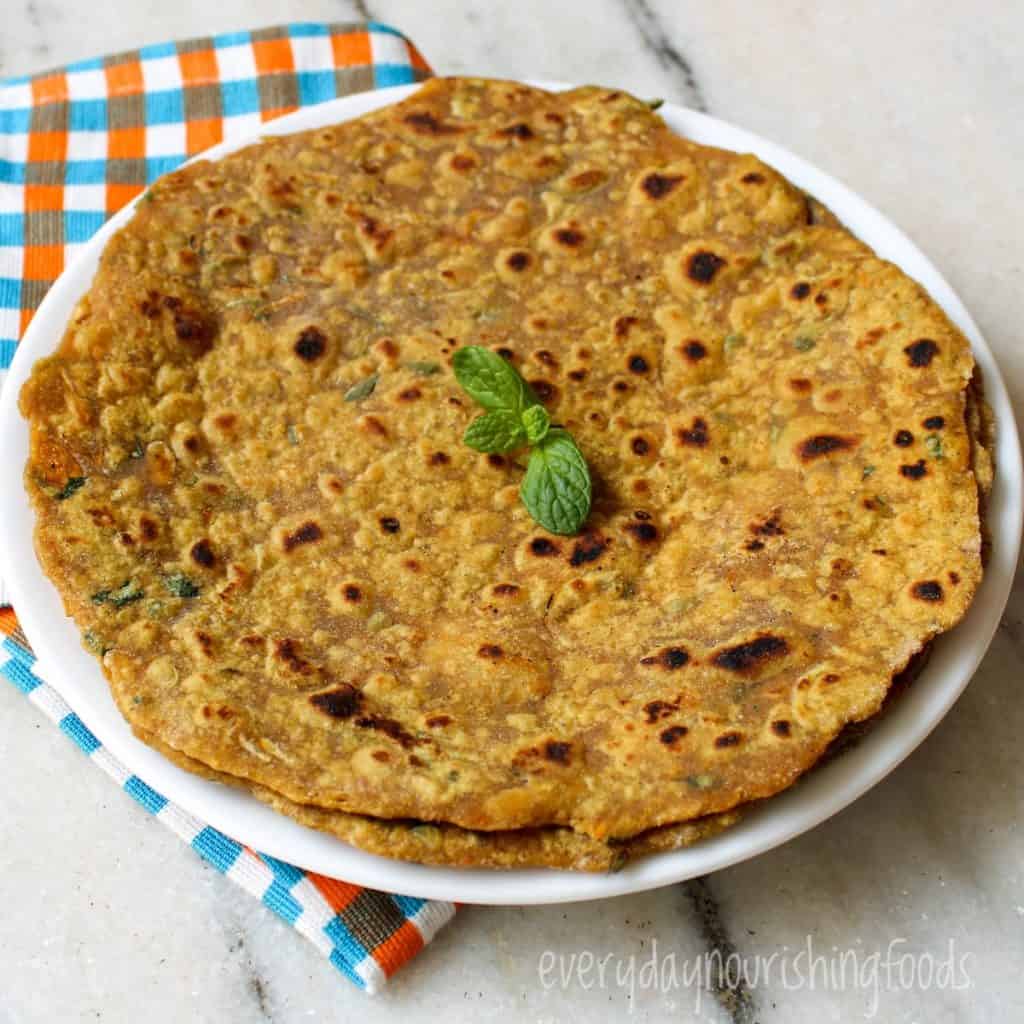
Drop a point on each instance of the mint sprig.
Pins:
(536, 423)
(491, 381)
(556, 489)
(495, 432)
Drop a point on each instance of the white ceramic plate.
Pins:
(77, 676)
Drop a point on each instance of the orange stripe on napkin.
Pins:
(43, 262)
(200, 135)
(273, 55)
(199, 67)
(337, 893)
(398, 948)
(49, 89)
(8, 620)
(351, 49)
(124, 79)
(43, 197)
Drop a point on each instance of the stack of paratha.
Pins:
(255, 501)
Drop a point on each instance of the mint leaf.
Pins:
(491, 381)
(495, 432)
(537, 423)
(556, 488)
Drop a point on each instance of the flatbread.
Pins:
(549, 847)
(257, 397)
(449, 845)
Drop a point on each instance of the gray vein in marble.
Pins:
(363, 10)
(32, 15)
(256, 984)
(668, 55)
(736, 999)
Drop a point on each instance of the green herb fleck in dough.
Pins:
(361, 314)
(679, 605)
(933, 445)
(733, 342)
(377, 621)
(655, 103)
(425, 368)
(700, 781)
(137, 450)
(224, 261)
(362, 389)
(882, 506)
(180, 585)
(866, 472)
(75, 483)
(803, 344)
(293, 434)
(127, 593)
(94, 643)
(430, 833)
(486, 316)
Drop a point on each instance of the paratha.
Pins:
(254, 500)
(549, 846)
(439, 843)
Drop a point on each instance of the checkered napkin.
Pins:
(78, 143)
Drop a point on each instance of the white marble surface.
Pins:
(105, 916)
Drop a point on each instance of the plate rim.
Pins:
(818, 797)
